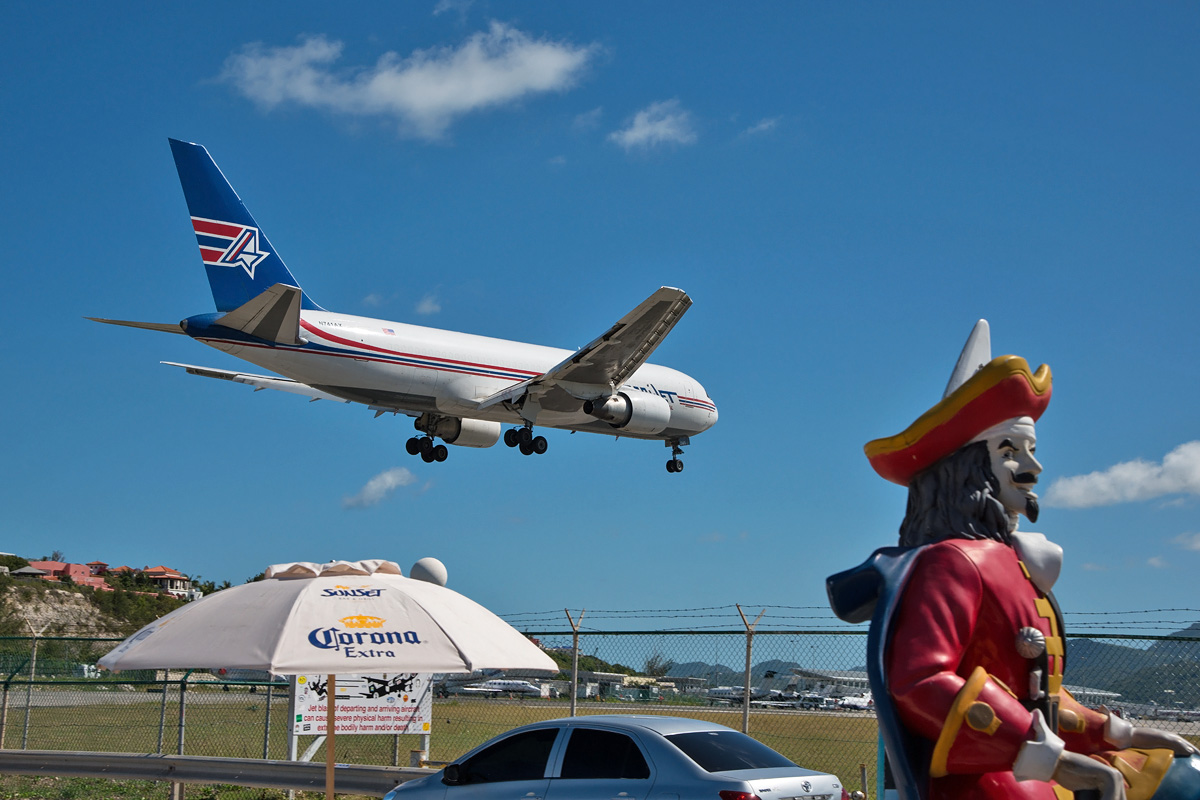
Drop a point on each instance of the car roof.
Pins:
(664, 726)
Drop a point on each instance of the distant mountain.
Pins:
(1165, 673)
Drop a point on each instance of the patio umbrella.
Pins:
(347, 617)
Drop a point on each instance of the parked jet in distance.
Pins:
(461, 388)
(503, 686)
(734, 694)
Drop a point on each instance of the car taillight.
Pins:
(728, 794)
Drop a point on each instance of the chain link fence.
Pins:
(805, 687)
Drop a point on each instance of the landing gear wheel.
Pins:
(413, 446)
(524, 436)
(675, 465)
(440, 453)
(427, 456)
(526, 448)
(539, 445)
(426, 445)
(511, 437)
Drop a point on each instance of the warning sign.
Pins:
(390, 703)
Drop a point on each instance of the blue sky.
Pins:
(843, 189)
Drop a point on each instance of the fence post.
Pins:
(182, 710)
(162, 713)
(574, 657)
(749, 648)
(267, 725)
(29, 690)
(4, 713)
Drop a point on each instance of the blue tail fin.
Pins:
(240, 261)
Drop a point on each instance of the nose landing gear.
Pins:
(524, 440)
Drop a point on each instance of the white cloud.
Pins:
(762, 126)
(588, 120)
(1130, 481)
(1158, 562)
(429, 305)
(1188, 541)
(460, 6)
(379, 487)
(659, 123)
(374, 300)
(425, 92)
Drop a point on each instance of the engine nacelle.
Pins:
(463, 432)
(636, 412)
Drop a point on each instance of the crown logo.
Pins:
(362, 621)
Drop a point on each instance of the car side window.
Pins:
(593, 753)
(521, 757)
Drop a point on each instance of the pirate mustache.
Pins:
(1025, 477)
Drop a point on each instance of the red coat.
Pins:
(957, 679)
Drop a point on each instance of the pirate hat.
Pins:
(983, 392)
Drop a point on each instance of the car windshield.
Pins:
(720, 751)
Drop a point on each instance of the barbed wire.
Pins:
(726, 617)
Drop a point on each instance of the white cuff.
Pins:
(1038, 758)
(1118, 731)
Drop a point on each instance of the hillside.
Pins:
(51, 611)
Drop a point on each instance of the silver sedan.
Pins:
(626, 758)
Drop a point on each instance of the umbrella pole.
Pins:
(330, 726)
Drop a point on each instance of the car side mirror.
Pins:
(452, 775)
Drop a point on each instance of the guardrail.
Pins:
(297, 775)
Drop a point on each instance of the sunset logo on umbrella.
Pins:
(348, 591)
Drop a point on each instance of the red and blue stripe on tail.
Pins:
(239, 259)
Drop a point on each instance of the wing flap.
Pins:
(606, 363)
(611, 358)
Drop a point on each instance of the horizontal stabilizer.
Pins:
(273, 316)
(165, 327)
(259, 381)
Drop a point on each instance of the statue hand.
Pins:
(1078, 772)
(1151, 738)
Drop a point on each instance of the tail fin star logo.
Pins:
(225, 244)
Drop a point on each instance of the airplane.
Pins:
(734, 694)
(501, 686)
(858, 702)
(459, 387)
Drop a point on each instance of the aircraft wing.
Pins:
(259, 382)
(603, 365)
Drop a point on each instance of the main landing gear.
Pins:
(424, 447)
(524, 440)
(676, 445)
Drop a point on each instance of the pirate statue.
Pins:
(965, 651)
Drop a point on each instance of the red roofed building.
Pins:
(168, 580)
(79, 574)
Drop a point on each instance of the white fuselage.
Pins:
(392, 366)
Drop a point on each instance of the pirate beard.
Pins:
(1031, 509)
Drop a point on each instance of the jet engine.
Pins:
(461, 432)
(636, 412)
